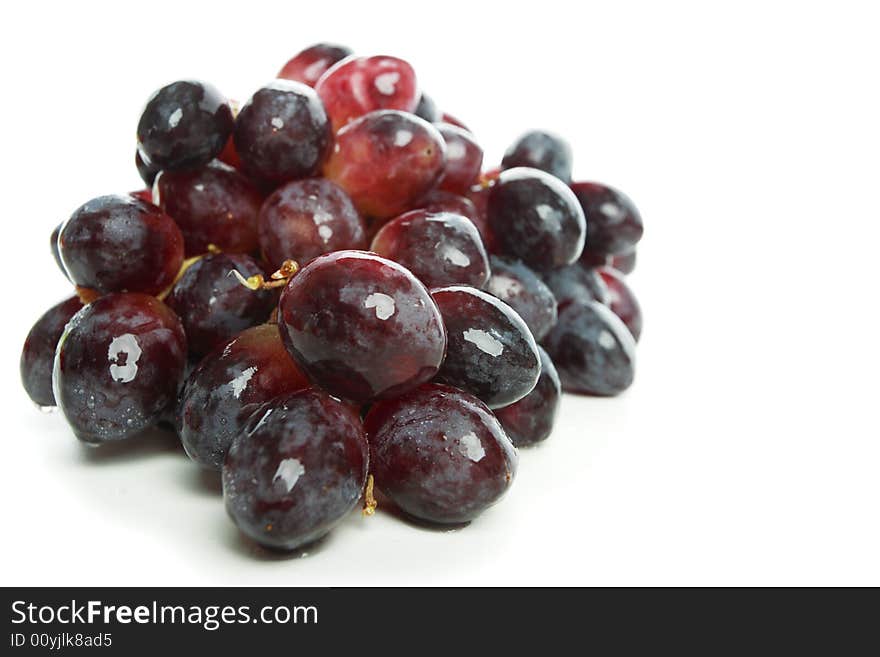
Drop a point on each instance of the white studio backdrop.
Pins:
(747, 450)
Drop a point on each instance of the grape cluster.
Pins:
(327, 292)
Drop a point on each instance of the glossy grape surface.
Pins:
(592, 349)
(439, 201)
(184, 124)
(536, 218)
(359, 85)
(147, 172)
(615, 225)
(53, 246)
(622, 301)
(307, 218)
(522, 289)
(297, 470)
(213, 205)
(530, 420)
(576, 283)
(118, 366)
(439, 454)
(119, 243)
(38, 353)
(282, 133)
(386, 161)
(213, 306)
(439, 248)
(228, 386)
(427, 109)
(361, 327)
(310, 64)
(491, 352)
(540, 150)
(464, 159)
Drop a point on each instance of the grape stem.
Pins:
(278, 279)
(370, 503)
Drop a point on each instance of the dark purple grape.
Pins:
(297, 470)
(536, 218)
(464, 159)
(622, 301)
(282, 133)
(118, 366)
(427, 109)
(53, 244)
(310, 64)
(439, 248)
(592, 349)
(307, 218)
(361, 327)
(38, 353)
(228, 386)
(614, 224)
(213, 205)
(491, 352)
(530, 420)
(184, 124)
(540, 150)
(625, 263)
(576, 283)
(147, 172)
(521, 289)
(121, 244)
(439, 454)
(213, 306)
(592, 259)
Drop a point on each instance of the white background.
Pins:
(747, 450)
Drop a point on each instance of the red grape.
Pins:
(38, 353)
(310, 64)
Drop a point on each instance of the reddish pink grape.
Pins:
(359, 85)
(439, 454)
(386, 161)
(361, 327)
(119, 243)
(310, 64)
(307, 218)
(297, 470)
(38, 353)
(464, 158)
(214, 205)
(439, 248)
(228, 386)
(615, 225)
(439, 201)
(229, 154)
(145, 195)
(530, 420)
(622, 301)
(451, 120)
(118, 366)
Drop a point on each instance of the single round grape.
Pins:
(521, 289)
(53, 245)
(310, 64)
(615, 225)
(625, 263)
(592, 349)
(361, 327)
(307, 218)
(530, 420)
(622, 301)
(427, 109)
(386, 161)
(118, 366)
(185, 124)
(540, 150)
(38, 353)
(464, 158)
(228, 386)
(119, 243)
(213, 306)
(439, 454)
(536, 218)
(297, 470)
(212, 205)
(359, 85)
(491, 352)
(282, 133)
(577, 283)
(147, 172)
(439, 248)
